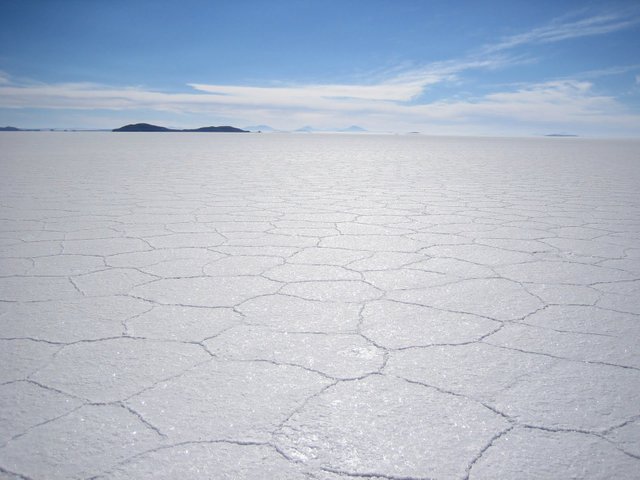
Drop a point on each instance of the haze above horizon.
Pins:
(469, 68)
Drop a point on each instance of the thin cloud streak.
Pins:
(558, 31)
(301, 95)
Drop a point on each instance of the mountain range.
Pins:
(147, 127)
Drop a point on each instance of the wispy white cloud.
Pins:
(607, 72)
(294, 95)
(565, 101)
(560, 29)
(403, 87)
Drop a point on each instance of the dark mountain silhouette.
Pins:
(225, 128)
(146, 127)
(9, 129)
(141, 127)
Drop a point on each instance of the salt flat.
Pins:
(318, 307)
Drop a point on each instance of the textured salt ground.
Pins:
(318, 307)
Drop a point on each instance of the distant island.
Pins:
(560, 135)
(16, 129)
(146, 127)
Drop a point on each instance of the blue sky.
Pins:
(441, 67)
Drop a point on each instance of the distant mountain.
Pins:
(260, 128)
(560, 135)
(225, 128)
(141, 127)
(307, 129)
(353, 128)
(146, 127)
(9, 129)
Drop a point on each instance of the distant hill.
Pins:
(307, 128)
(353, 128)
(560, 135)
(141, 127)
(147, 127)
(16, 129)
(225, 128)
(260, 128)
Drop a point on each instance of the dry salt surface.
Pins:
(320, 307)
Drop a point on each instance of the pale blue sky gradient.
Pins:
(487, 68)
